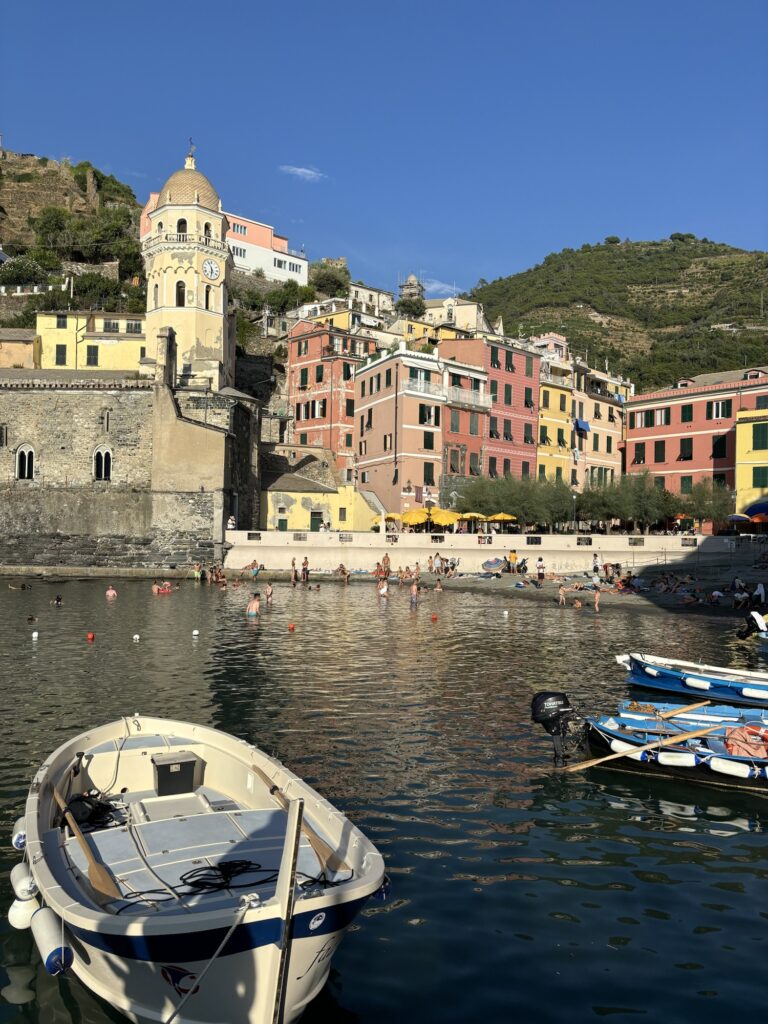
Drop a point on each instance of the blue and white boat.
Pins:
(693, 679)
(183, 875)
(715, 745)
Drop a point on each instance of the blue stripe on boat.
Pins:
(192, 946)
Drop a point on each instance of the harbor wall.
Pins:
(561, 553)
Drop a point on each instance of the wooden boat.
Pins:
(717, 745)
(192, 878)
(693, 679)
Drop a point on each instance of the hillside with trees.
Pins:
(655, 310)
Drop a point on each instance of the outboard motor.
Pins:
(522, 566)
(559, 718)
(753, 623)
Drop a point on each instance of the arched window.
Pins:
(156, 295)
(159, 226)
(102, 463)
(25, 463)
(180, 293)
(207, 230)
(181, 227)
(208, 296)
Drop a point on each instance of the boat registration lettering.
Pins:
(180, 979)
(316, 921)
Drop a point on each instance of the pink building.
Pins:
(687, 433)
(509, 447)
(421, 425)
(321, 388)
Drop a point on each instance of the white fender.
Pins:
(21, 912)
(620, 745)
(696, 684)
(46, 931)
(678, 758)
(19, 834)
(650, 671)
(726, 767)
(22, 882)
(749, 691)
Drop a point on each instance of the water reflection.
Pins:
(516, 891)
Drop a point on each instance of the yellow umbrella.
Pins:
(502, 517)
(444, 517)
(471, 515)
(393, 515)
(415, 517)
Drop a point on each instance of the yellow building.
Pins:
(92, 341)
(751, 458)
(293, 502)
(553, 453)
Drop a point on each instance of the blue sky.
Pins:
(451, 138)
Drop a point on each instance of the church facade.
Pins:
(140, 470)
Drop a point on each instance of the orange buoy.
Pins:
(291, 627)
(90, 637)
(434, 617)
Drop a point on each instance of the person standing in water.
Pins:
(268, 594)
(111, 593)
(414, 594)
(254, 605)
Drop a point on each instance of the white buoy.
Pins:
(506, 614)
(35, 634)
(19, 834)
(17, 992)
(195, 632)
(46, 931)
(21, 912)
(23, 884)
(136, 638)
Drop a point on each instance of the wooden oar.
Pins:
(325, 854)
(685, 710)
(670, 741)
(99, 875)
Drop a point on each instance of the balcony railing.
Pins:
(423, 387)
(191, 238)
(465, 396)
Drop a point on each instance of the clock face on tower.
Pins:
(211, 269)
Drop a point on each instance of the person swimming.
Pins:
(57, 601)
(111, 593)
(254, 605)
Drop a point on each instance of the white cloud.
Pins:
(304, 173)
(439, 288)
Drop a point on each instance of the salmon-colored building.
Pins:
(321, 389)
(512, 370)
(687, 433)
(422, 421)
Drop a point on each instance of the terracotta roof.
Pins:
(17, 334)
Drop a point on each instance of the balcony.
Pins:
(465, 396)
(424, 387)
(172, 238)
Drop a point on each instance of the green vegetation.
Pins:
(414, 308)
(647, 307)
(107, 185)
(91, 291)
(276, 300)
(634, 500)
(108, 234)
(21, 270)
(329, 280)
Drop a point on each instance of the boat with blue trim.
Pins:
(715, 745)
(693, 679)
(183, 875)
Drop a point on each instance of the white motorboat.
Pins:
(185, 876)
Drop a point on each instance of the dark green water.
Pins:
(516, 894)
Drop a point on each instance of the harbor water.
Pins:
(517, 893)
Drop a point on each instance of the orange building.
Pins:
(321, 388)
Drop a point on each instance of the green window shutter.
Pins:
(759, 436)
(709, 410)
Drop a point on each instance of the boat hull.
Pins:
(662, 678)
(236, 985)
(598, 743)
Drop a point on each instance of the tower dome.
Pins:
(188, 185)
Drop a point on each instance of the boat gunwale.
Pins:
(716, 672)
(78, 912)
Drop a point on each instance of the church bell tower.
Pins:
(188, 267)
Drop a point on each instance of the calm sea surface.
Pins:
(516, 893)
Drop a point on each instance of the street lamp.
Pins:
(575, 528)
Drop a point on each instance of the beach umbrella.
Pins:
(415, 517)
(471, 515)
(502, 517)
(393, 515)
(761, 517)
(737, 517)
(444, 517)
(757, 508)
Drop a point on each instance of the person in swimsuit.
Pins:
(254, 605)
(414, 594)
(268, 594)
(111, 593)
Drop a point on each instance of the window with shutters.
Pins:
(759, 437)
